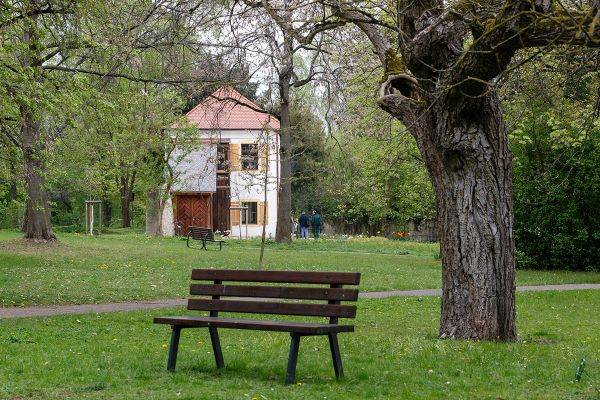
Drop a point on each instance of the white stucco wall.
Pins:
(249, 185)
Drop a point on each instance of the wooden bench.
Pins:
(257, 299)
(203, 234)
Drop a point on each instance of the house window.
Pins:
(252, 212)
(249, 156)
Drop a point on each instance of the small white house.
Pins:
(221, 182)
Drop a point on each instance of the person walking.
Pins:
(316, 223)
(304, 224)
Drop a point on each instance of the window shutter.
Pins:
(263, 161)
(235, 214)
(234, 157)
(263, 214)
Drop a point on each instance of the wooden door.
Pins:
(221, 204)
(193, 210)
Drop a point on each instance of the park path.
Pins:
(43, 311)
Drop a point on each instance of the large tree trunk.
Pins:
(155, 207)
(153, 213)
(284, 206)
(441, 86)
(125, 210)
(127, 182)
(36, 224)
(473, 182)
(465, 148)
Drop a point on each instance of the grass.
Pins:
(394, 354)
(126, 266)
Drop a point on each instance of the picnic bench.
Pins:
(266, 299)
(203, 234)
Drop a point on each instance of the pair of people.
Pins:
(305, 223)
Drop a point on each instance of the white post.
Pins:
(92, 219)
(240, 224)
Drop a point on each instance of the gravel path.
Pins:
(42, 311)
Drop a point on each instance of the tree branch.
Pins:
(129, 77)
(521, 24)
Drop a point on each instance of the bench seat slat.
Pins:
(280, 326)
(282, 292)
(232, 275)
(263, 307)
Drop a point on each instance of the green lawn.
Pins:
(394, 354)
(126, 266)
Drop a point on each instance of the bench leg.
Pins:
(216, 345)
(290, 374)
(204, 245)
(173, 348)
(335, 355)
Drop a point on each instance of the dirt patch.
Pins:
(25, 246)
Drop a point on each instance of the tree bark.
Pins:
(36, 222)
(465, 148)
(154, 213)
(284, 207)
(473, 183)
(126, 190)
(442, 89)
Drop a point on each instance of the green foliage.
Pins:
(376, 179)
(309, 162)
(556, 147)
(11, 212)
(101, 136)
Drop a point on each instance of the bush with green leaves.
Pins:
(556, 149)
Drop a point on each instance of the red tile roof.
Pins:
(228, 109)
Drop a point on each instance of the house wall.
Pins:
(196, 172)
(196, 169)
(249, 185)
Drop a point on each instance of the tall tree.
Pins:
(286, 44)
(24, 28)
(440, 84)
(45, 44)
(439, 81)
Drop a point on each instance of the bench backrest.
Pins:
(331, 295)
(199, 233)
